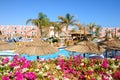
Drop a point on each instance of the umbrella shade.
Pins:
(113, 44)
(2, 36)
(5, 46)
(86, 47)
(15, 35)
(37, 47)
(80, 32)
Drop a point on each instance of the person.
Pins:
(38, 57)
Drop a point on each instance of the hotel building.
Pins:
(11, 30)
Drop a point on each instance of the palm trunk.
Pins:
(67, 32)
(98, 35)
(58, 33)
(92, 33)
(40, 34)
(115, 32)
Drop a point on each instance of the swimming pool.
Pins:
(61, 51)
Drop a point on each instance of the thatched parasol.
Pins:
(86, 47)
(2, 36)
(113, 44)
(36, 47)
(17, 34)
(5, 46)
(80, 32)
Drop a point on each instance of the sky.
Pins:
(103, 12)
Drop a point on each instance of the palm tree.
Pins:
(118, 30)
(91, 27)
(80, 28)
(97, 31)
(72, 30)
(67, 21)
(41, 22)
(108, 32)
(57, 27)
(0, 32)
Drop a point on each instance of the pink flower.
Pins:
(73, 72)
(19, 76)
(48, 73)
(15, 57)
(6, 60)
(105, 63)
(93, 79)
(10, 73)
(82, 77)
(12, 64)
(101, 72)
(5, 78)
(106, 74)
(31, 76)
(105, 79)
(26, 64)
(67, 71)
(66, 75)
(117, 57)
(90, 72)
(117, 74)
(52, 77)
(23, 59)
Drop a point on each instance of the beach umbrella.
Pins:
(16, 35)
(86, 46)
(2, 36)
(36, 47)
(80, 32)
(112, 44)
(5, 46)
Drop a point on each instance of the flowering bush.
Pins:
(73, 68)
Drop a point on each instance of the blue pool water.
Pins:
(61, 51)
(54, 55)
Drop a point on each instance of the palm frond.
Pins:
(28, 21)
(61, 18)
(42, 16)
(79, 26)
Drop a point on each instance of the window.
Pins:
(15, 31)
(15, 28)
(32, 33)
(24, 28)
